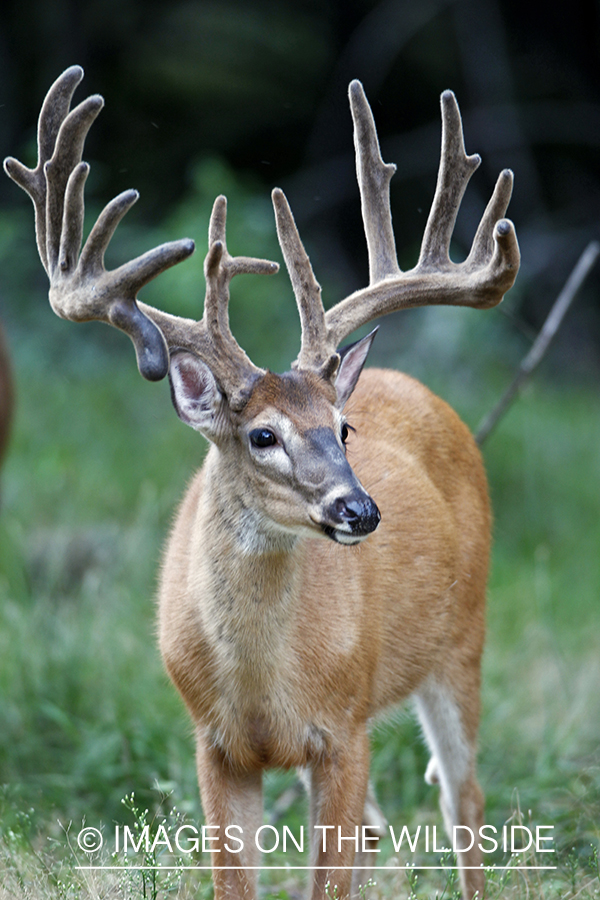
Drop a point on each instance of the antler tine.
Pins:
(315, 351)
(80, 287)
(59, 170)
(211, 338)
(480, 281)
(374, 178)
(483, 242)
(220, 267)
(455, 171)
(231, 366)
(228, 355)
(54, 111)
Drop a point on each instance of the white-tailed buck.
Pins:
(329, 560)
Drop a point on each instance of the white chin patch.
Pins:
(342, 537)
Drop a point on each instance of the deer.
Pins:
(329, 559)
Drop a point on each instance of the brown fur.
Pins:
(284, 657)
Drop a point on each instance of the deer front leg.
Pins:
(231, 800)
(338, 788)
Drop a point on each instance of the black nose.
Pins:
(360, 513)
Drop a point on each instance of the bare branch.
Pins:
(549, 329)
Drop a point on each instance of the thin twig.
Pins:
(542, 342)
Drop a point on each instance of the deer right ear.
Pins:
(195, 394)
(352, 359)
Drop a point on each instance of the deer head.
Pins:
(282, 430)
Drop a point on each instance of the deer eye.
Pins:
(262, 437)
(345, 432)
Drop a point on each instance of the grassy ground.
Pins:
(87, 715)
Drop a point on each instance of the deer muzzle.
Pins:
(351, 518)
(344, 510)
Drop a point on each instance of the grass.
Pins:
(87, 716)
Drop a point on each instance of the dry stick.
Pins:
(542, 342)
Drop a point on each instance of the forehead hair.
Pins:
(297, 393)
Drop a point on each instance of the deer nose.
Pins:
(360, 513)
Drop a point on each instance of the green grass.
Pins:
(97, 464)
(82, 690)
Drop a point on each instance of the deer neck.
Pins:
(234, 522)
(249, 572)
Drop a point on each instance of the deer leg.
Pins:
(449, 720)
(338, 790)
(231, 800)
(374, 826)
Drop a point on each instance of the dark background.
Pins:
(263, 85)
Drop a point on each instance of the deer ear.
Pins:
(195, 394)
(352, 359)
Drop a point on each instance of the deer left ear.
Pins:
(195, 394)
(352, 359)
